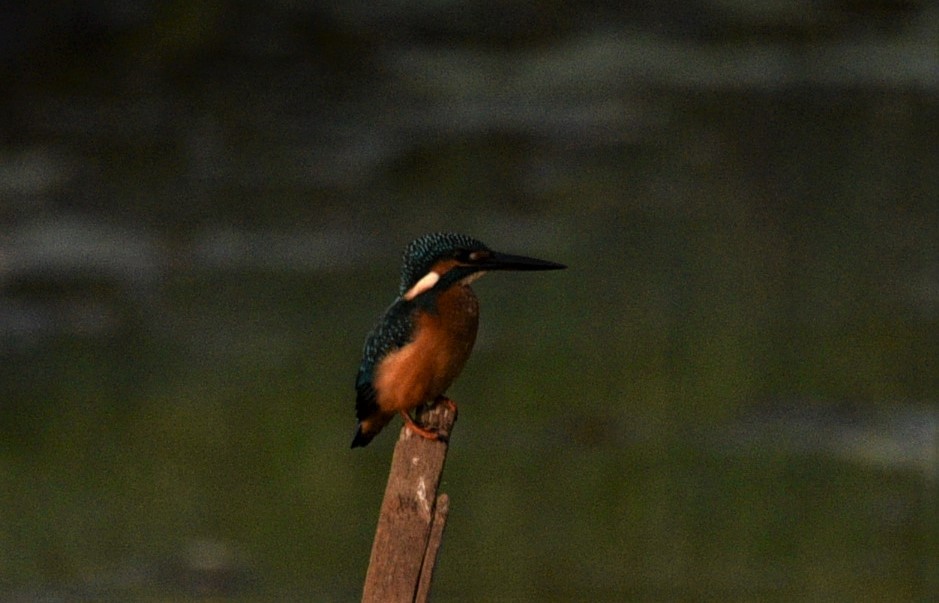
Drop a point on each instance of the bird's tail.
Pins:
(361, 438)
(368, 428)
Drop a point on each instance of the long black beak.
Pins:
(504, 261)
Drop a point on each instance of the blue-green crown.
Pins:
(423, 252)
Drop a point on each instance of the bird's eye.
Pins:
(475, 256)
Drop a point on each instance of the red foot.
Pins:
(430, 434)
(446, 402)
(427, 434)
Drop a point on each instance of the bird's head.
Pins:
(444, 259)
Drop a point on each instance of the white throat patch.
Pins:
(472, 278)
(425, 284)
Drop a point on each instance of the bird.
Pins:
(423, 340)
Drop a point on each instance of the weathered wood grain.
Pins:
(412, 518)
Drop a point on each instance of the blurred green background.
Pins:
(730, 395)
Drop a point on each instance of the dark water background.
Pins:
(730, 395)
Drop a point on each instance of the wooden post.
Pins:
(412, 519)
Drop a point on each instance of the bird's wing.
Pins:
(393, 331)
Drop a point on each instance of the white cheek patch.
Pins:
(426, 283)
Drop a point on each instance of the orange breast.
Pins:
(425, 368)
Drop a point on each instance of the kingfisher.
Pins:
(423, 340)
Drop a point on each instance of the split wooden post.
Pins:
(413, 516)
